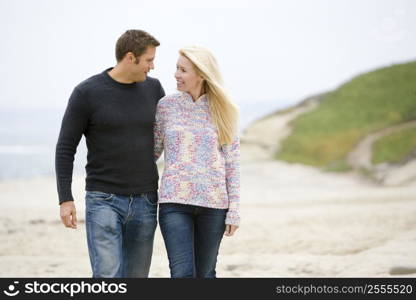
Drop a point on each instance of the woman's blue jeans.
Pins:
(192, 236)
(120, 233)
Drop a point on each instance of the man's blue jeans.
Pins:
(120, 233)
(192, 236)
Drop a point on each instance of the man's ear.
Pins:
(129, 57)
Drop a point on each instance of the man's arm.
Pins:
(74, 124)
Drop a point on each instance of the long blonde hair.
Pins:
(224, 112)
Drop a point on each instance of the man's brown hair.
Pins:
(135, 41)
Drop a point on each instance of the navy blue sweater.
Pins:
(117, 121)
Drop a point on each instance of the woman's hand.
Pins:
(230, 229)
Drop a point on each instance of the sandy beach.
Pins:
(296, 221)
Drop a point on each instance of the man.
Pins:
(115, 111)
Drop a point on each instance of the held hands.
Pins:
(69, 218)
(230, 229)
(69, 214)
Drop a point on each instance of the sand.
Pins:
(296, 221)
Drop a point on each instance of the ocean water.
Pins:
(27, 143)
(28, 139)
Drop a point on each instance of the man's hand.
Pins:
(230, 229)
(69, 214)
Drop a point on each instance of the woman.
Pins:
(199, 192)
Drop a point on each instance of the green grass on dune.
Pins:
(365, 104)
(395, 147)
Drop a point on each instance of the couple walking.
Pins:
(128, 122)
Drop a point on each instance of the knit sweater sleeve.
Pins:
(159, 129)
(74, 123)
(232, 174)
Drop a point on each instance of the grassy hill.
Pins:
(368, 103)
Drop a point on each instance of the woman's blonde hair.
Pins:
(223, 111)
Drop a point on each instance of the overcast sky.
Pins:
(269, 51)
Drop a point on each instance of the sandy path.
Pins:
(361, 156)
(386, 174)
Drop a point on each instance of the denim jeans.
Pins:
(192, 236)
(120, 233)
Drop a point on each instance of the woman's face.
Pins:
(187, 80)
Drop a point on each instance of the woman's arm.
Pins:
(158, 130)
(232, 175)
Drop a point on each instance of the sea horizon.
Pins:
(28, 138)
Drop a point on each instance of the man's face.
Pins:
(143, 64)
